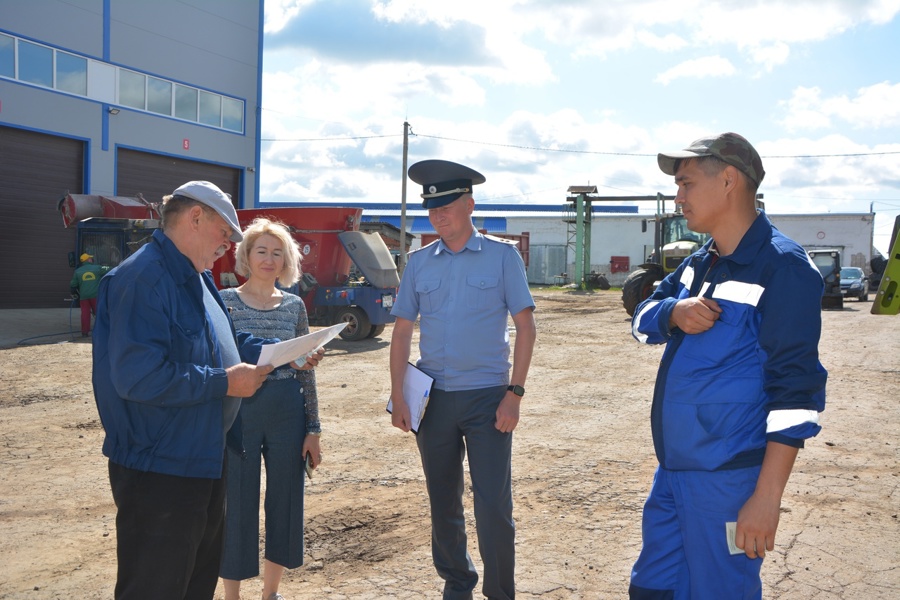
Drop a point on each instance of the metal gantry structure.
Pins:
(578, 215)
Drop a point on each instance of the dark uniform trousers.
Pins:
(169, 534)
(457, 423)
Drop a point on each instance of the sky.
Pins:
(540, 95)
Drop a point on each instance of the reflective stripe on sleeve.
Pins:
(641, 337)
(779, 420)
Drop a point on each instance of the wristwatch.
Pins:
(518, 390)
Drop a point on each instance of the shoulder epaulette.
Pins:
(428, 245)
(494, 238)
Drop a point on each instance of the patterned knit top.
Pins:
(285, 321)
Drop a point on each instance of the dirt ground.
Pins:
(582, 466)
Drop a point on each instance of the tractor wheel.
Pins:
(638, 287)
(598, 280)
(376, 330)
(358, 327)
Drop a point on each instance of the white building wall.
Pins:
(622, 235)
(852, 233)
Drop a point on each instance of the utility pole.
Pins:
(403, 200)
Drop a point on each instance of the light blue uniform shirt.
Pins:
(464, 300)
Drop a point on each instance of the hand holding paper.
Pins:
(312, 360)
(293, 350)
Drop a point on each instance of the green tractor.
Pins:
(672, 243)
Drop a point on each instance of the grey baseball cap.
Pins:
(210, 195)
(727, 147)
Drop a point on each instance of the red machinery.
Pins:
(111, 228)
(330, 242)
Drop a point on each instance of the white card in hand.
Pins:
(730, 532)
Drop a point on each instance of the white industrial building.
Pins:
(619, 239)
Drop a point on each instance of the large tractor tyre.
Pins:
(376, 330)
(358, 325)
(638, 287)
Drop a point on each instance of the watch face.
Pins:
(518, 390)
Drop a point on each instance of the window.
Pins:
(185, 103)
(210, 109)
(232, 114)
(71, 73)
(159, 96)
(7, 56)
(131, 89)
(41, 65)
(35, 64)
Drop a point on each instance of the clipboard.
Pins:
(417, 392)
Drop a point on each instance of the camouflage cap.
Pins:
(727, 147)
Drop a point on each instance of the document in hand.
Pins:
(282, 353)
(416, 391)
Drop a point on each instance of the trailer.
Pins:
(111, 228)
(330, 241)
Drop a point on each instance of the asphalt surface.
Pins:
(30, 326)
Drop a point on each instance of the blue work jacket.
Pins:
(158, 375)
(753, 377)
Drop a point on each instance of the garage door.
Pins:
(36, 171)
(155, 176)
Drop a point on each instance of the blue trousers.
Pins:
(685, 550)
(274, 427)
(456, 423)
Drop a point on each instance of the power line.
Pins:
(560, 150)
(537, 148)
(329, 139)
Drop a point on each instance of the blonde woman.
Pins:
(280, 422)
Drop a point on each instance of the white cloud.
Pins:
(708, 66)
(873, 107)
(279, 12)
(510, 76)
(771, 56)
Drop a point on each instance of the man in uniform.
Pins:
(739, 388)
(463, 287)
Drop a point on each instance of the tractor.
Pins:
(672, 243)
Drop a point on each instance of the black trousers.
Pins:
(169, 533)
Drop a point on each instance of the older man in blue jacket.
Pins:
(169, 371)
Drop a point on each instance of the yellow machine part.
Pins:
(887, 300)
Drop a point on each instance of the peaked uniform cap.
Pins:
(86, 257)
(730, 148)
(210, 195)
(443, 181)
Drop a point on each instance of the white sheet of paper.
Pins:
(284, 352)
